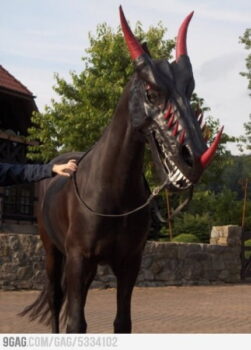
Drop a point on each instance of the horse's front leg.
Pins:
(79, 274)
(126, 277)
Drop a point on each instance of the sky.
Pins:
(40, 38)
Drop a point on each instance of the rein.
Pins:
(153, 194)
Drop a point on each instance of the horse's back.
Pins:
(65, 157)
(61, 159)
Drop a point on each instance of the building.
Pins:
(16, 107)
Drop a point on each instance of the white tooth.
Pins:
(179, 178)
(175, 176)
(172, 178)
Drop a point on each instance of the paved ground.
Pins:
(196, 309)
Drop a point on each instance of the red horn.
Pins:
(181, 46)
(133, 45)
(208, 155)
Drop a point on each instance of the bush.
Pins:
(248, 253)
(186, 238)
(197, 225)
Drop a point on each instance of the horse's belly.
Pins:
(120, 241)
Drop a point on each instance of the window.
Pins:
(18, 202)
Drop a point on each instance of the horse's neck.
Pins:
(124, 148)
(117, 157)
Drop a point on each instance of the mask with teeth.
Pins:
(159, 106)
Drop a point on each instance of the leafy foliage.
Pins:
(195, 224)
(245, 140)
(186, 238)
(248, 253)
(246, 40)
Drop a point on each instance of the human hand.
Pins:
(65, 169)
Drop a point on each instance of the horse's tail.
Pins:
(39, 309)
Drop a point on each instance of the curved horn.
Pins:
(181, 46)
(133, 45)
(208, 155)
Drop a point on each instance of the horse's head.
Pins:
(159, 105)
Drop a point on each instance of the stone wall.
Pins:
(22, 262)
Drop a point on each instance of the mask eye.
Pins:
(152, 96)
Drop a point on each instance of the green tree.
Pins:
(246, 40)
(245, 141)
(209, 209)
(88, 101)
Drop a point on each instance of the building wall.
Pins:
(22, 262)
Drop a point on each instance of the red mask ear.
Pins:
(133, 45)
(181, 46)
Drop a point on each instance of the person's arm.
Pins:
(13, 174)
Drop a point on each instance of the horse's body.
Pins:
(110, 181)
(86, 239)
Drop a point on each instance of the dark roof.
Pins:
(8, 81)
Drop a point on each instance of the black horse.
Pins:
(91, 219)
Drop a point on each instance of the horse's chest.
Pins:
(117, 237)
